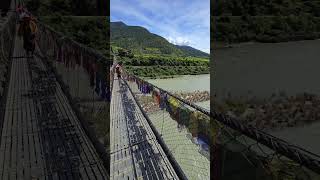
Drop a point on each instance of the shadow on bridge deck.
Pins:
(135, 153)
(41, 135)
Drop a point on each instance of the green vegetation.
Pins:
(67, 7)
(125, 53)
(149, 60)
(265, 20)
(149, 55)
(88, 30)
(140, 41)
(192, 52)
(165, 66)
(79, 21)
(167, 71)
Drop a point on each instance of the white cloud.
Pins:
(206, 50)
(181, 22)
(179, 41)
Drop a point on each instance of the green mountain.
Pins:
(190, 51)
(140, 41)
(265, 20)
(67, 7)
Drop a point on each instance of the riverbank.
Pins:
(196, 96)
(149, 105)
(224, 45)
(245, 28)
(156, 72)
(171, 77)
(162, 77)
(275, 113)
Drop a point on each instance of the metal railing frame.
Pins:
(293, 152)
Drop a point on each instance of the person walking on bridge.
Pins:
(21, 12)
(119, 69)
(19, 9)
(28, 30)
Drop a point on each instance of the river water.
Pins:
(187, 83)
(264, 69)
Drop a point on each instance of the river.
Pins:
(188, 83)
(264, 69)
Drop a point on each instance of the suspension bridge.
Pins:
(42, 136)
(64, 115)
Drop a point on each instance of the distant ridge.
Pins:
(190, 51)
(139, 40)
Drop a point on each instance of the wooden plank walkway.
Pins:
(135, 153)
(41, 135)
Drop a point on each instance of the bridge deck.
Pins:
(135, 153)
(41, 136)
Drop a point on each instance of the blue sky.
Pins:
(182, 22)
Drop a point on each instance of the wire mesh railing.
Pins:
(181, 126)
(83, 74)
(237, 151)
(256, 151)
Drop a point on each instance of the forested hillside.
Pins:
(76, 19)
(190, 51)
(140, 41)
(68, 7)
(88, 30)
(265, 20)
(152, 55)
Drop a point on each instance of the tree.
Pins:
(237, 8)
(33, 6)
(4, 6)
(83, 7)
(60, 6)
(103, 8)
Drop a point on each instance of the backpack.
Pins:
(33, 27)
(118, 69)
(27, 29)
